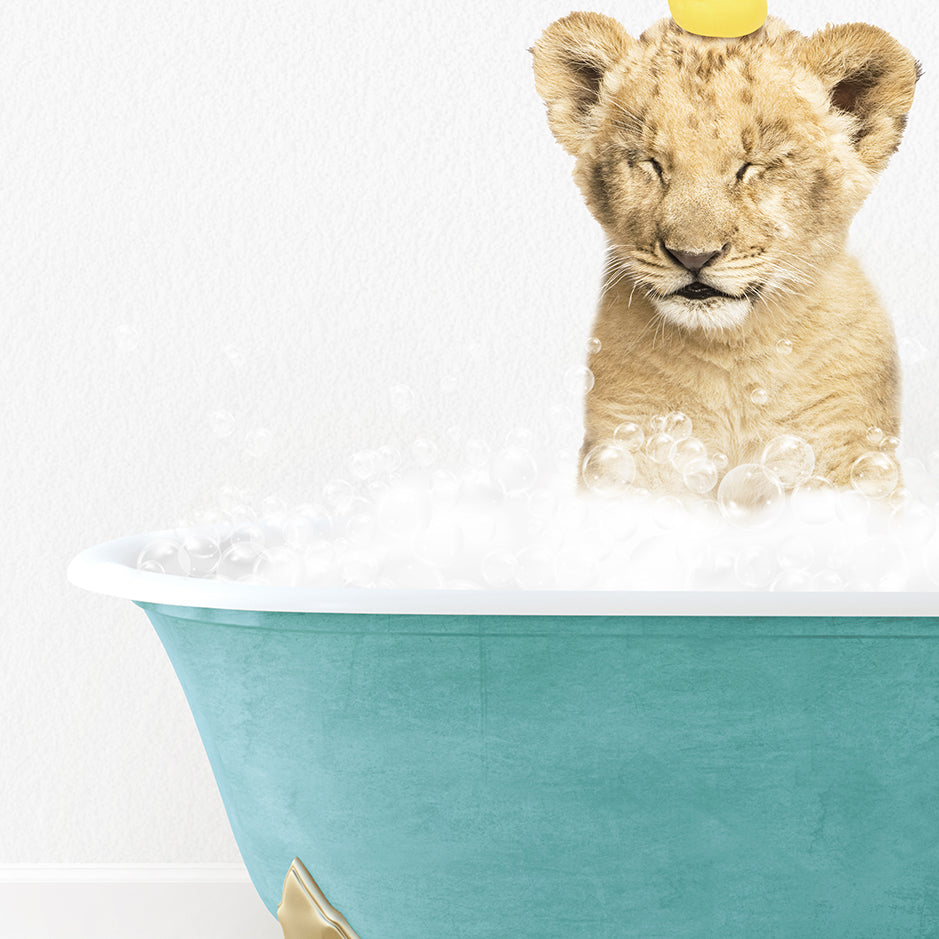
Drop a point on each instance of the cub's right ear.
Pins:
(571, 59)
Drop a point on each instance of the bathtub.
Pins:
(539, 765)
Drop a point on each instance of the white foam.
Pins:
(506, 518)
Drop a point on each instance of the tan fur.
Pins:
(818, 118)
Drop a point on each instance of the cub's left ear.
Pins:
(870, 76)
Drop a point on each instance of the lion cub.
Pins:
(725, 174)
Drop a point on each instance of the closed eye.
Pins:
(743, 171)
(656, 166)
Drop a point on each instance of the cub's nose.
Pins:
(693, 260)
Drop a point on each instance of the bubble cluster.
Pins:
(648, 508)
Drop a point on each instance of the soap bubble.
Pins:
(668, 512)
(657, 424)
(720, 460)
(445, 486)
(749, 498)
(359, 525)
(401, 398)
(874, 436)
(126, 337)
(784, 347)
(306, 524)
(562, 422)
(204, 554)
(498, 568)
(700, 477)
(242, 512)
(440, 543)
(792, 580)
(852, 507)
(238, 560)
(222, 423)
(593, 345)
(338, 494)
(247, 532)
(890, 444)
(687, 451)
(608, 469)
(319, 563)
(629, 435)
(755, 567)
(404, 511)
(759, 396)
(881, 562)
(932, 461)
(366, 464)
(520, 437)
(477, 490)
(216, 520)
(840, 552)
(912, 351)
(236, 356)
(875, 474)
(535, 569)
(575, 566)
(272, 507)
(259, 442)
(463, 585)
(827, 581)
(913, 523)
(660, 447)
(814, 501)
(360, 566)
(795, 553)
(931, 560)
(788, 460)
(403, 570)
(164, 556)
(899, 498)
(542, 504)
(281, 566)
(424, 452)
(476, 452)
(514, 469)
(578, 381)
(677, 426)
(657, 563)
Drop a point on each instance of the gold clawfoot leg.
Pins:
(304, 912)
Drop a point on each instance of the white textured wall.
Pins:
(352, 195)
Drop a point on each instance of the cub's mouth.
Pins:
(699, 291)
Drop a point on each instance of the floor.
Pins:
(134, 911)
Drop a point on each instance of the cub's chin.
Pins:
(701, 308)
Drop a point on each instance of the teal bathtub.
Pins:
(551, 765)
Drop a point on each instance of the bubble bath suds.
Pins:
(473, 515)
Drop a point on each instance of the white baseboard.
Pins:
(132, 901)
(123, 874)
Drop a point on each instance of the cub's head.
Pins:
(724, 172)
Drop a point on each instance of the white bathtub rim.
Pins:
(109, 569)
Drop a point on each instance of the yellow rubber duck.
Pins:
(724, 19)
